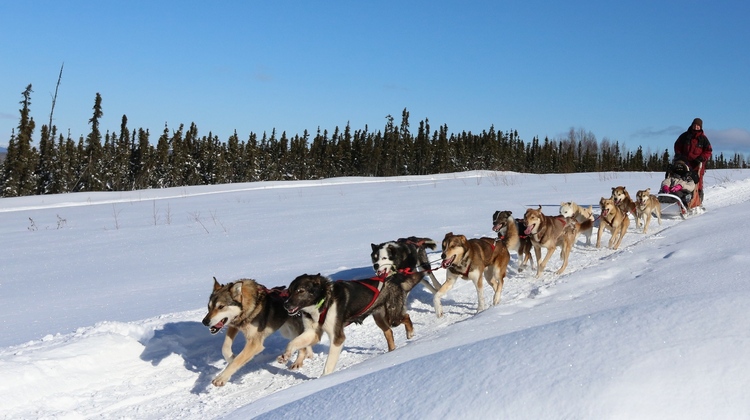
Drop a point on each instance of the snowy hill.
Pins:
(103, 293)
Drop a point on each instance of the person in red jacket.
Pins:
(694, 148)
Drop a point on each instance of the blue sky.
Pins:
(634, 72)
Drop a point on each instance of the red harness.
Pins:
(375, 294)
(279, 293)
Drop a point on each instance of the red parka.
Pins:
(694, 148)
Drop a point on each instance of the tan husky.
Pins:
(572, 210)
(550, 232)
(647, 204)
(624, 202)
(469, 259)
(257, 312)
(614, 220)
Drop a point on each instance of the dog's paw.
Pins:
(297, 363)
(219, 381)
(283, 358)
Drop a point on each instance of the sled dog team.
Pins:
(313, 304)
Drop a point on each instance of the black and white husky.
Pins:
(404, 254)
(328, 306)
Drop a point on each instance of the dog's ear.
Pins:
(374, 247)
(648, 191)
(237, 291)
(217, 286)
(563, 203)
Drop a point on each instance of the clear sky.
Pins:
(634, 72)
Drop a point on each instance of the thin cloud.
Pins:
(649, 132)
(734, 139)
(263, 77)
(263, 74)
(395, 87)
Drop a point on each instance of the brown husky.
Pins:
(550, 232)
(624, 202)
(613, 219)
(508, 230)
(647, 204)
(247, 307)
(470, 259)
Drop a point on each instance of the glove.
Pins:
(700, 159)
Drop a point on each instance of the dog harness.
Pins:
(375, 294)
(466, 274)
(280, 293)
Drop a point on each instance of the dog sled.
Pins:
(681, 191)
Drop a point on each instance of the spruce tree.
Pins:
(91, 177)
(45, 171)
(18, 170)
(142, 161)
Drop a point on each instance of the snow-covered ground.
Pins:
(102, 294)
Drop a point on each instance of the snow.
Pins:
(102, 294)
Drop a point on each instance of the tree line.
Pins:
(128, 159)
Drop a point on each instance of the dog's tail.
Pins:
(418, 242)
(428, 243)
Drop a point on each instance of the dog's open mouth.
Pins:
(498, 226)
(218, 326)
(293, 311)
(529, 229)
(448, 261)
(383, 272)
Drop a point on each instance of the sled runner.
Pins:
(681, 191)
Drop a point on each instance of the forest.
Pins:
(129, 159)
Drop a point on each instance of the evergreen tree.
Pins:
(234, 158)
(162, 168)
(67, 161)
(121, 158)
(19, 167)
(251, 157)
(142, 161)
(93, 170)
(45, 171)
(442, 156)
(422, 150)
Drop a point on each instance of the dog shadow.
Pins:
(201, 351)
